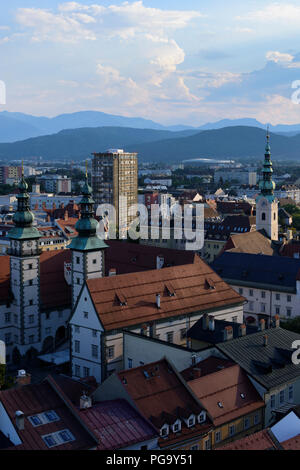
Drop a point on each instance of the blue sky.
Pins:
(171, 61)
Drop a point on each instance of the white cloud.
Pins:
(274, 12)
(278, 57)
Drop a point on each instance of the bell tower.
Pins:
(25, 272)
(87, 248)
(266, 203)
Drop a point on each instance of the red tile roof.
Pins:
(205, 367)
(129, 257)
(34, 399)
(258, 441)
(192, 294)
(55, 292)
(226, 387)
(292, 444)
(162, 397)
(117, 425)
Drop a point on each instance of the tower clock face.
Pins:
(29, 244)
(15, 244)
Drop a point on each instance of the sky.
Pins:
(171, 61)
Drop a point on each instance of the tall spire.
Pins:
(86, 226)
(23, 217)
(266, 184)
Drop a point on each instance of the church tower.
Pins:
(25, 273)
(266, 203)
(87, 248)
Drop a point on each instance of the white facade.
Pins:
(267, 217)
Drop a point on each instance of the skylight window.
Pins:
(243, 396)
(43, 418)
(220, 405)
(58, 438)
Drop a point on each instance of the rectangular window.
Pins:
(30, 282)
(218, 436)
(291, 393)
(232, 430)
(7, 338)
(251, 292)
(263, 294)
(281, 397)
(257, 418)
(170, 337)
(30, 302)
(86, 372)
(234, 319)
(288, 312)
(129, 363)
(272, 401)
(94, 333)
(195, 447)
(77, 260)
(86, 314)
(94, 351)
(77, 329)
(77, 346)
(77, 371)
(207, 444)
(241, 290)
(111, 352)
(246, 423)
(289, 298)
(251, 305)
(31, 318)
(263, 308)
(183, 333)
(30, 266)
(277, 296)
(7, 317)
(31, 339)
(277, 310)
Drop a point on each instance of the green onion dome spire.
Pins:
(266, 184)
(87, 225)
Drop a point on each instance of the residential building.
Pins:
(56, 184)
(271, 284)
(255, 242)
(114, 182)
(159, 302)
(266, 357)
(232, 402)
(160, 394)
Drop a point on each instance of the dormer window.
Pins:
(177, 426)
(191, 421)
(202, 417)
(164, 432)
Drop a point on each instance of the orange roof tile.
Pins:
(226, 387)
(140, 290)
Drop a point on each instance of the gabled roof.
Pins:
(163, 397)
(205, 367)
(270, 365)
(275, 272)
(252, 242)
(140, 290)
(221, 394)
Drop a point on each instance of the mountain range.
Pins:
(19, 126)
(237, 142)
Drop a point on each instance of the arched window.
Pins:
(263, 216)
(274, 215)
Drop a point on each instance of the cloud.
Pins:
(273, 13)
(279, 57)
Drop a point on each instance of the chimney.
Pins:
(196, 372)
(228, 333)
(242, 330)
(205, 321)
(158, 300)
(211, 323)
(265, 339)
(85, 402)
(19, 415)
(276, 321)
(22, 378)
(112, 272)
(262, 324)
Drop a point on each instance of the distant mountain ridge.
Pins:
(156, 145)
(19, 126)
